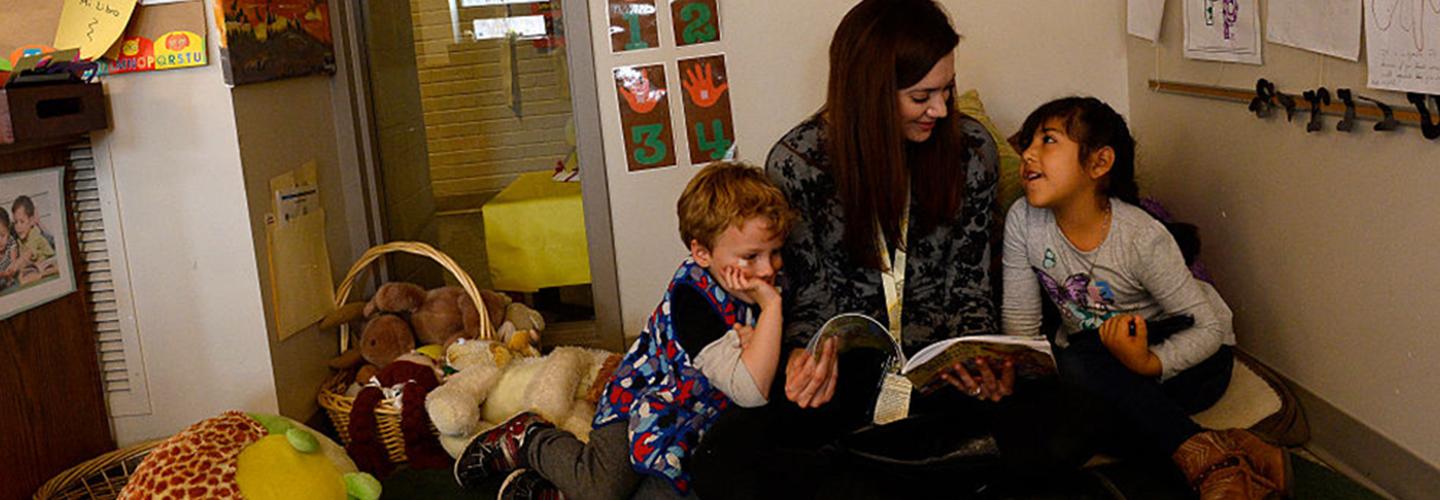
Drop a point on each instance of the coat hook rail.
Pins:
(1404, 113)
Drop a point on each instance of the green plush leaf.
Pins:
(362, 486)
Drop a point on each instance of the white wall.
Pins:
(1321, 243)
(180, 197)
(777, 57)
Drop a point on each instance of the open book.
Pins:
(1032, 355)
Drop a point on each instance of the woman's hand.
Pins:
(983, 383)
(810, 380)
(1133, 351)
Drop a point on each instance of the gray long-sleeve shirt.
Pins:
(1138, 269)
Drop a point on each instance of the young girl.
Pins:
(1080, 240)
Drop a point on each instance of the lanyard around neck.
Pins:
(893, 276)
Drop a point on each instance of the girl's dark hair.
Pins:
(1094, 125)
(881, 47)
(5, 221)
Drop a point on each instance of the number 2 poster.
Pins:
(695, 21)
(708, 119)
(645, 116)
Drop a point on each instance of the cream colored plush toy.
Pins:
(494, 383)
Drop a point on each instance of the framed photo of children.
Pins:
(35, 263)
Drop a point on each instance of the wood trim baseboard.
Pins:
(1363, 453)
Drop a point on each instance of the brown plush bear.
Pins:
(402, 316)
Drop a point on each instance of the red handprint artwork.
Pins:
(700, 83)
(638, 94)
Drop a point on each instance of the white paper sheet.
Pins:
(1402, 45)
(1330, 27)
(1144, 17)
(1223, 30)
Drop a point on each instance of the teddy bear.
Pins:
(402, 316)
(413, 376)
(493, 382)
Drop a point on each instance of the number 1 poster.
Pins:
(633, 25)
(708, 119)
(696, 21)
(645, 116)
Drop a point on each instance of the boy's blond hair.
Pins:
(726, 194)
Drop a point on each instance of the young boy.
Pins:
(702, 350)
(37, 248)
(10, 262)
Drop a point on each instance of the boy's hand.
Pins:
(1132, 351)
(758, 290)
(745, 333)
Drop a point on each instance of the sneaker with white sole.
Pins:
(526, 484)
(497, 450)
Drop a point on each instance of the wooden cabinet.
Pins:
(52, 405)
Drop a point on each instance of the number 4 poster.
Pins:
(696, 21)
(645, 116)
(708, 120)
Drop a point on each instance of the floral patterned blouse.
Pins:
(947, 285)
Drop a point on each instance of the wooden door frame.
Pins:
(355, 94)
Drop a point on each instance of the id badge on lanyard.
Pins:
(893, 402)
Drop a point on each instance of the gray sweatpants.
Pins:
(599, 470)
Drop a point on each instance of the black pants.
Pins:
(1131, 413)
(781, 450)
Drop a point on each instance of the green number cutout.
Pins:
(636, 41)
(718, 145)
(648, 136)
(700, 29)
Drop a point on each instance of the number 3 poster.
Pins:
(708, 120)
(696, 21)
(645, 116)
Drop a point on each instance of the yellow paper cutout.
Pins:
(301, 284)
(93, 26)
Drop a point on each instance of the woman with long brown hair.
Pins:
(895, 191)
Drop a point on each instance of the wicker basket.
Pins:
(332, 394)
(101, 477)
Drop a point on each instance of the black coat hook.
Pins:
(1316, 97)
(1348, 122)
(1288, 102)
(1431, 130)
(1264, 100)
(1387, 123)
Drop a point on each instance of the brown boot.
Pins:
(1216, 468)
(1267, 460)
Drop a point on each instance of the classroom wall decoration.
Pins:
(160, 37)
(35, 265)
(1223, 30)
(263, 40)
(709, 124)
(1330, 27)
(695, 21)
(633, 25)
(645, 116)
(1402, 39)
(92, 26)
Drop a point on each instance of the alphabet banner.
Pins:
(695, 21)
(708, 119)
(645, 116)
(633, 25)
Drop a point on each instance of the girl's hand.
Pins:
(1132, 351)
(757, 290)
(810, 381)
(983, 384)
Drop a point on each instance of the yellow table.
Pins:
(535, 235)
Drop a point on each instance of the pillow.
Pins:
(1009, 189)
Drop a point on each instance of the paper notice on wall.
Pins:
(1330, 27)
(1144, 18)
(161, 37)
(645, 116)
(709, 122)
(1223, 30)
(695, 21)
(93, 26)
(1402, 45)
(633, 25)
